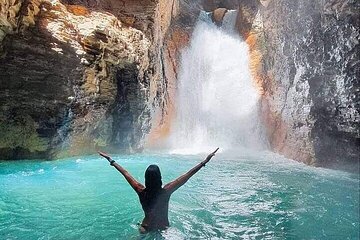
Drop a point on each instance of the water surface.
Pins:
(236, 196)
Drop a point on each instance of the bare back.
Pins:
(156, 208)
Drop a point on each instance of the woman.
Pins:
(153, 197)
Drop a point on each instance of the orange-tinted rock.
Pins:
(175, 42)
(176, 38)
(256, 61)
(279, 130)
(78, 10)
(281, 137)
(218, 15)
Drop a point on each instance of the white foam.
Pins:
(217, 102)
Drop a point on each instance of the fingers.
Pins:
(212, 154)
(215, 151)
(104, 155)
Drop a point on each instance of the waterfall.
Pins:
(216, 99)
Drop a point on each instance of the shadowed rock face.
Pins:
(247, 11)
(211, 5)
(36, 87)
(75, 78)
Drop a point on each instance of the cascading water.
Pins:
(216, 101)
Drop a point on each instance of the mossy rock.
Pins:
(20, 132)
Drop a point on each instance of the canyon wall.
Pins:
(310, 69)
(305, 63)
(175, 39)
(79, 75)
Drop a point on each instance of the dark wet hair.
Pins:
(153, 178)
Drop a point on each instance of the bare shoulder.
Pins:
(168, 188)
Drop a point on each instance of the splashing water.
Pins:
(217, 101)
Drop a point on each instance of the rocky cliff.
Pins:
(305, 62)
(175, 39)
(77, 75)
(311, 69)
(80, 74)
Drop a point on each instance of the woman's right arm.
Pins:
(174, 185)
(138, 187)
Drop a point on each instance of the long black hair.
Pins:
(153, 178)
(153, 185)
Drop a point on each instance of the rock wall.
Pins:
(305, 62)
(310, 68)
(175, 39)
(79, 75)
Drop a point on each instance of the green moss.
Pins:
(20, 132)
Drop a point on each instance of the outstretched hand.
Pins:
(212, 154)
(105, 156)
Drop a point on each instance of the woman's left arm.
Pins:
(174, 185)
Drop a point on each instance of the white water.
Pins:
(216, 100)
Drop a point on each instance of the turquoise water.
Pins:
(236, 196)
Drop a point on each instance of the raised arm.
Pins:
(174, 185)
(138, 187)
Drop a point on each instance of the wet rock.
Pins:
(311, 64)
(218, 15)
(247, 11)
(175, 39)
(211, 5)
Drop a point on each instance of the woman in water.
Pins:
(153, 197)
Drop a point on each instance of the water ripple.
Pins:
(232, 198)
